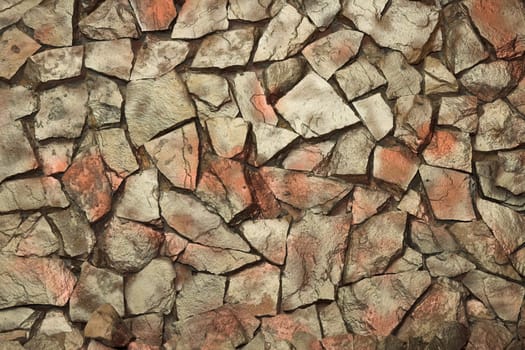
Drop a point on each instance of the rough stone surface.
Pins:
(359, 78)
(402, 78)
(56, 64)
(449, 149)
(198, 18)
(16, 154)
(104, 102)
(437, 77)
(106, 326)
(52, 22)
(113, 19)
(460, 112)
(215, 260)
(154, 14)
(376, 115)
(413, 115)
(19, 47)
(200, 293)
(113, 57)
(396, 164)
(351, 153)
(31, 193)
(268, 237)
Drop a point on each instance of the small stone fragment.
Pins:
(56, 64)
(511, 171)
(173, 245)
(228, 135)
(359, 78)
(413, 119)
(113, 19)
(438, 79)
(351, 153)
(448, 265)
(413, 204)
(215, 260)
(307, 157)
(460, 112)
(395, 164)
(148, 330)
(17, 48)
(114, 57)
(366, 203)
(270, 140)
(331, 319)
(106, 326)
(16, 153)
(31, 193)
(449, 149)
(411, 260)
(52, 22)
(281, 76)
(105, 100)
(376, 115)
(12, 10)
(140, 197)
(200, 293)
(268, 236)
(251, 99)
(198, 18)
(403, 79)
(154, 14)
(212, 89)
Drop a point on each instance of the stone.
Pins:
(413, 204)
(311, 275)
(488, 335)
(413, 119)
(12, 10)
(307, 156)
(140, 197)
(366, 203)
(112, 57)
(34, 281)
(403, 79)
(331, 52)
(313, 108)
(104, 102)
(18, 318)
(487, 171)
(96, 287)
(247, 10)
(350, 341)
(36, 238)
(281, 76)
(52, 22)
(227, 135)
(395, 164)
(56, 64)
(62, 341)
(255, 287)
(376, 115)
(77, 236)
(154, 14)
(55, 157)
(215, 260)
(268, 237)
(63, 112)
(147, 329)
(448, 265)
(511, 171)
(16, 154)
(129, 246)
(251, 99)
(517, 97)
(115, 150)
(321, 13)
(176, 155)
(270, 140)
(200, 293)
(377, 305)
(198, 18)
(112, 20)
(284, 35)
(438, 79)
(152, 289)
(371, 249)
(154, 105)
(106, 326)
(449, 149)
(351, 153)
(460, 112)
(31, 193)
(331, 319)
(267, 206)
(358, 78)
(212, 89)
(431, 238)
(411, 260)
(17, 47)
(173, 245)
(191, 219)
(16, 102)
(225, 49)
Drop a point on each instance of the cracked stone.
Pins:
(52, 22)
(113, 19)
(321, 13)
(77, 236)
(353, 341)
(31, 193)
(359, 78)
(227, 135)
(105, 101)
(16, 153)
(366, 203)
(106, 326)
(148, 331)
(438, 79)
(115, 150)
(284, 35)
(16, 102)
(413, 204)
(12, 10)
(268, 237)
(209, 88)
(56, 64)
(395, 164)
(94, 288)
(251, 99)
(140, 197)
(198, 18)
(449, 149)
(267, 206)
(331, 52)
(17, 47)
(200, 293)
(477, 311)
(376, 115)
(270, 140)
(55, 157)
(112, 57)
(371, 249)
(460, 112)
(173, 245)
(18, 318)
(35, 238)
(176, 155)
(517, 97)
(331, 319)
(309, 275)
(511, 172)
(448, 265)
(411, 260)
(403, 79)
(487, 171)
(413, 119)
(313, 108)
(281, 76)
(154, 14)
(308, 157)
(488, 335)
(157, 57)
(247, 10)
(225, 49)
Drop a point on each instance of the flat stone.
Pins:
(270, 140)
(148, 330)
(96, 287)
(351, 153)
(55, 157)
(32, 193)
(115, 150)
(154, 14)
(313, 108)
(173, 245)
(411, 260)
(331, 319)
(309, 275)
(413, 119)
(351, 341)
(106, 326)
(56, 64)
(176, 155)
(308, 157)
(225, 49)
(511, 171)
(200, 293)
(395, 164)
(34, 237)
(460, 112)
(438, 79)
(77, 236)
(321, 13)
(376, 115)
(377, 305)
(18, 318)
(413, 204)
(268, 207)
(16, 153)
(517, 97)
(331, 52)
(359, 78)
(227, 135)
(152, 289)
(140, 197)
(284, 35)
(251, 99)
(190, 218)
(403, 79)
(448, 265)
(431, 238)
(268, 237)
(12, 10)
(52, 22)
(55, 322)
(18, 47)
(489, 335)
(104, 102)
(366, 203)
(281, 76)
(16, 102)
(113, 57)
(113, 19)
(246, 10)
(154, 105)
(34, 281)
(212, 89)
(198, 18)
(215, 260)
(449, 149)
(477, 311)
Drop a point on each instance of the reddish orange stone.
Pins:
(154, 14)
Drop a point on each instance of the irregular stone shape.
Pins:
(331, 52)
(140, 197)
(477, 311)
(313, 108)
(270, 140)
(154, 105)
(63, 112)
(395, 164)
(55, 322)
(352, 341)
(12, 10)
(129, 246)
(359, 78)
(16, 102)
(36, 238)
(460, 112)
(500, 295)
(52, 22)
(147, 329)
(284, 35)
(56, 64)
(113, 57)
(405, 25)
(438, 78)
(308, 157)
(268, 207)
(193, 220)
(225, 49)
(215, 260)
(200, 293)
(55, 157)
(198, 18)
(105, 100)
(505, 223)
(487, 171)
(517, 96)
(351, 153)
(251, 99)
(31, 193)
(411, 260)
(376, 115)
(402, 78)
(176, 155)
(16, 153)
(94, 288)
(227, 135)
(431, 239)
(376, 305)
(173, 245)
(366, 203)
(448, 192)
(154, 14)
(281, 76)
(413, 119)
(449, 149)
(309, 275)
(34, 281)
(210, 88)
(268, 236)
(152, 289)
(502, 24)
(116, 151)
(460, 54)
(106, 326)
(247, 10)
(448, 265)
(256, 287)
(413, 204)
(86, 182)
(77, 236)
(488, 335)
(18, 318)
(321, 13)
(511, 172)
(17, 48)
(331, 319)
(113, 19)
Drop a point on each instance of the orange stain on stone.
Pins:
(155, 14)
(394, 165)
(442, 144)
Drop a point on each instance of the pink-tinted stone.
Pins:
(215, 260)
(366, 202)
(413, 116)
(395, 164)
(350, 341)
(449, 149)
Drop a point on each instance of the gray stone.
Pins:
(32, 193)
(198, 18)
(270, 140)
(268, 236)
(17, 48)
(351, 153)
(140, 198)
(403, 79)
(448, 265)
(488, 335)
(56, 64)
(105, 101)
(113, 19)
(77, 236)
(413, 119)
(321, 13)
(200, 293)
(517, 97)
(460, 112)
(511, 172)
(487, 171)
(148, 330)
(17, 102)
(376, 115)
(112, 57)
(281, 76)
(359, 78)
(16, 153)
(331, 319)
(36, 238)
(115, 150)
(52, 22)
(411, 260)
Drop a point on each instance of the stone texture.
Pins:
(113, 57)
(248, 11)
(52, 22)
(215, 260)
(198, 18)
(511, 172)
(331, 319)
(18, 318)
(376, 115)
(517, 96)
(449, 149)
(31, 193)
(200, 293)
(489, 335)
(12, 10)
(113, 19)
(351, 153)
(19, 47)
(55, 157)
(104, 102)
(403, 79)
(147, 329)
(413, 119)
(227, 135)
(56, 64)
(359, 78)
(395, 164)
(16, 154)
(307, 156)
(281, 76)
(268, 237)
(115, 150)
(438, 79)
(154, 14)
(251, 99)
(411, 260)
(366, 203)
(140, 197)
(270, 140)
(77, 236)
(321, 13)
(460, 112)
(106, 326)
(448, 265)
